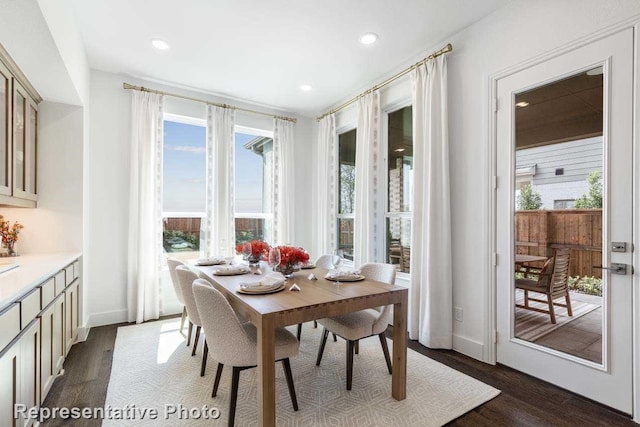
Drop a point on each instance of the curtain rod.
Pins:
(446, 49)
(204, 101)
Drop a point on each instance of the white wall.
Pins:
(511, 35)
(56, 224)
(108, 169)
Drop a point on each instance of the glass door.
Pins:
(5, 131)
(564, 205)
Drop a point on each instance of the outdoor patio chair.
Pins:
(552, 281)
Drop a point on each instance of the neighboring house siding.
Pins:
(577, 158)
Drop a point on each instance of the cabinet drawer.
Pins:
(48, 292)
(9, 325)
(29, 307)
(60, 282)
(76, 269)
(69, 274)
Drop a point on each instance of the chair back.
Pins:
(186, 276)
(385, 273)
(324, 261)
(560, 279)
(173, 263)
(228, 339)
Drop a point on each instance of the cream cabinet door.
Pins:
(9, 383)
(71, 316)
(58, 342)
(30, 369)
(5, 131)
(47, 368)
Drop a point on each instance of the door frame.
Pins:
(490, 297)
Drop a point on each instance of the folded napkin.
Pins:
(231, 270)
(270, 281)
(214, 260)
(343, 274)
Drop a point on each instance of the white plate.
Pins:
(261, 292)
(347, 279)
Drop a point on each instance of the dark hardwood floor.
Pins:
(524, 400)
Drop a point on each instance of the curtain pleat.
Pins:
(431, 295)
(366, 190)
(326, 186)
(284, 182)
(220, 224)
(144, 298)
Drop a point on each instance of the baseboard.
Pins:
(468, 347)
(83, 333)
(107, 318)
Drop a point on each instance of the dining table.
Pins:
(317, 298)
(524, 259)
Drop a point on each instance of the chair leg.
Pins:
(195, 341)
(235, 380)
(216, 383)
(349, 363)
(552, 311)
(299, 331)
(323, 341)
(184, 317)
(189, 333)
(385, 350)
(205, 353)
(526, 298)
(335, 338)
(567, 300)
(315, 324)
(356, 347)
(292, 391)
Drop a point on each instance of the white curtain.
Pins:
(144, 299)
(430, 302)
(364, 233)
(219, 227)
(326, 186)
(284, 182)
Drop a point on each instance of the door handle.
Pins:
(615, 268)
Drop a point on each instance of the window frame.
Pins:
(383, 178)
(347, 127)
(268, 217)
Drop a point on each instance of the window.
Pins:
(184, 193)
(346, 191)
(564, 204)
(253, 171)
(399, 188)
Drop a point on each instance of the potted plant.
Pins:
(9, 234)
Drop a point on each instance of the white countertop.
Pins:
(33, 270)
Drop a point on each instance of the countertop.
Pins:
(33, 270)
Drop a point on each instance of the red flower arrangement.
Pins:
(290, 258)
(9, 234)
(259, 250)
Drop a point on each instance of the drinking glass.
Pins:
(274, 258)
(246, 250)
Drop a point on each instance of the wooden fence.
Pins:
(540, 232)
(187, 225)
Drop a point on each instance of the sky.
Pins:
(185, 171)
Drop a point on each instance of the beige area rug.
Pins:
(152, 367)
(532, 325)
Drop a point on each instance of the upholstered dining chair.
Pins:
(552, 281)
(186, 277)
(173, 263)
(362, 324)
(323, 261)
(236, 342)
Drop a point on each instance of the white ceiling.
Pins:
(263, 51)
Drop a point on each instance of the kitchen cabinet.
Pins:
(71, 316)
(29, 381)
(51, 344)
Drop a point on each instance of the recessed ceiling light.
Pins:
(522, 104)
(160, 44)
(305, 88)
(368, 38)
(399, 150)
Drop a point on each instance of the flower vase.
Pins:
(12, 248)
(287, 270)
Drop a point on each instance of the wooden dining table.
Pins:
(317, 299)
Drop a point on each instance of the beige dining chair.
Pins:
(173, 263)
(186, 277)
(552, 281)
(362, 324)
(323, 261)
(236, 342)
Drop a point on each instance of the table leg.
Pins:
(399, 376)
(266, 374)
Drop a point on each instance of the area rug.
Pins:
(532, 325)
(152, 368)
